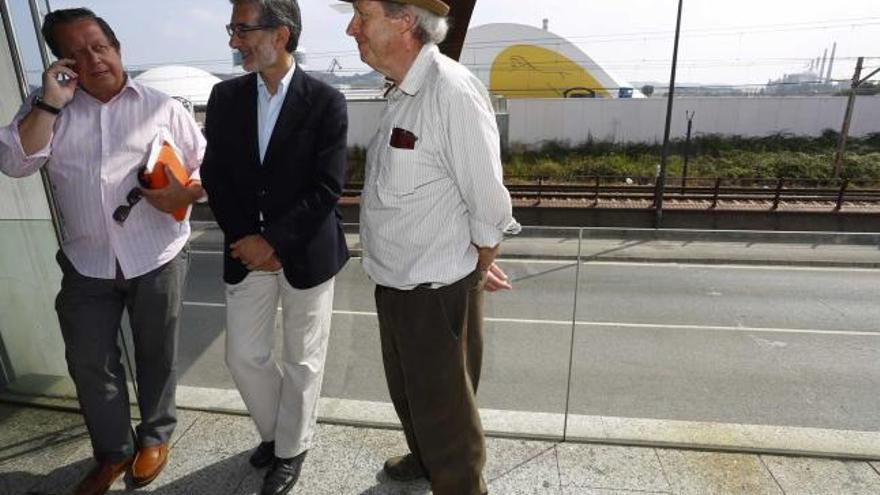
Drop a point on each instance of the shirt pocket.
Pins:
(406, 172)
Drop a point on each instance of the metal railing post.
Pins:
(716, 193)
(841, 194)
(778, 194)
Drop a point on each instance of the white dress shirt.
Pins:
(269, 108)
(425, 209)
(92, 159)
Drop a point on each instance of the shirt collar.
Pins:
(134, 86)
(282, 85)
(415, 77)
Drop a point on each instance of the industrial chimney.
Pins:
(831, 63)
(546, 24)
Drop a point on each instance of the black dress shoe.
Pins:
(283, 475)
(264, 455)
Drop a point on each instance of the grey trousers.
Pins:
(90, 313)
(432, 349)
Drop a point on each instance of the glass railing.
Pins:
(31, 349)
(613, 335)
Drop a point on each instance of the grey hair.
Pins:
(279, 13)
(430, 27)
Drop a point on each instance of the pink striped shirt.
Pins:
(92, 159)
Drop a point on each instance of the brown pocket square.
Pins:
(403, 139)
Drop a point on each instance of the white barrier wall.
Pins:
(363, 119)
(533, 121)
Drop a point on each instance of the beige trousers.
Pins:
(280, 386)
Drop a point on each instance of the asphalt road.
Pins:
(768, 345)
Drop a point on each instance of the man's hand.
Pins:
(254, 252)
(173, 196)
(494, 279)
(36, 128)
(56, 93)
(273, 265)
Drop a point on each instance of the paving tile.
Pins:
(610, 468)
(201, 473)
(539, 476)
(803, 476)
(48, 468)
(24, 429)
(331, 460)
(700, 473)
(226, 434)
(185, 420)
(579, 490)
(504, 455)
(55, 456)
(366, 477)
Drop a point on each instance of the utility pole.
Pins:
(847, 118)
(661, 177)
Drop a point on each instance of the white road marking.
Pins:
(616, 324)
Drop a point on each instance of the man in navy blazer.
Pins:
(274, 170)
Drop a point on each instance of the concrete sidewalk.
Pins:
(44, 451)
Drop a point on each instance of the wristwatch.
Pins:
(42, 105)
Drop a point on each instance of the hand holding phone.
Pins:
(59, 82)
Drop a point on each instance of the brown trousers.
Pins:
(432, 348)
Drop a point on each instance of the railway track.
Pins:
(703, 194)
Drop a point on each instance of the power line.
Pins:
(614, 37)
(589, 64)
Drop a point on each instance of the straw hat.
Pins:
(434, 6)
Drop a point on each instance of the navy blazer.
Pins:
(297, 186)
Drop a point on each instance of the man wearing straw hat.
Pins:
(433, 213)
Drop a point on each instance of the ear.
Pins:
(407, 22)
(282, 37)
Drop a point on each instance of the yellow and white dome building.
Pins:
(519, 61)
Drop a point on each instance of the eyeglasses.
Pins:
(240, 29)
(120, 214)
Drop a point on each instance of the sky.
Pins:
(738, 42)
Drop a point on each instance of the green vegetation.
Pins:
(711, 156)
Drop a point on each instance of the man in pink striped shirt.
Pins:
(91, 127)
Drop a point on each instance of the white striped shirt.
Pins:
(424, 209)
(93, 156)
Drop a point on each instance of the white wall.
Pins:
(533, 121)
(363, 119)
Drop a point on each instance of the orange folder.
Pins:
(165, 155)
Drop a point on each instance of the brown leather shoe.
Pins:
(404, 468)
(101, 477)
(148, 463)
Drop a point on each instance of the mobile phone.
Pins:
(63, 78)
